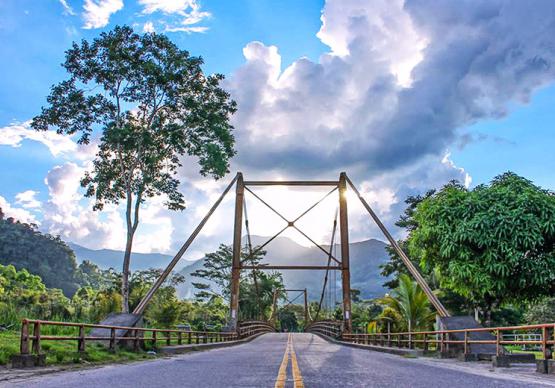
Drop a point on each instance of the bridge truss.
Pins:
(333, 263)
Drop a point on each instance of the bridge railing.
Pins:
(32, 335)
(249, 328)
(441, 339)
(328, 328)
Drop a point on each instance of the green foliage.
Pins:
(364, 312)
(492, 244)
(541, 312)
(255, 296)
(410, 304)
(153, 105)
(24, 247)
(288, 320)
(25, 295)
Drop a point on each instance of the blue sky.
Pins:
(401, 94)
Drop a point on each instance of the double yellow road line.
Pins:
(282, 374)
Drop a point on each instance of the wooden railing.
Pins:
(328, 328)
(135, 337)
(441, 339)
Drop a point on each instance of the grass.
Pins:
(65, 352)
(518, 349)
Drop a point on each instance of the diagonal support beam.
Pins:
(442, 311)
(142, 304)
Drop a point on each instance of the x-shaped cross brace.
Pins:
(291, 224)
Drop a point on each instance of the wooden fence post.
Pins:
(36, 339)
(544, 343)
(190, 335)
(498, 342)
(466, 350)
(442, 343)
(24, 344)
(81, 341)
(168, 338)
(154, 345)
(112, 345)
(179, 339)
(135, 340)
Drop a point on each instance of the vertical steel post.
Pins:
(345, 272)
(305, 308)
(236, 264)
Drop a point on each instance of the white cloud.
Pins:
(67, 8)
(19, 214)
(97, 13)
(181, 15)
(388, 99)
(13, 135)
(149, 27)
(27, 199)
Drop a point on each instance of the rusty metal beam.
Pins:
(142, 304)
(290, 267)
(291, 183)
(344, 238)
(441, 310)
(236, 261)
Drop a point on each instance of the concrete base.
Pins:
(505, 361)
(500, 362)
(28, 360)
(118, 319)
(470, 357)
(443, 355)
(545, 366)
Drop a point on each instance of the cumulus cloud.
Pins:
(353, 109)
(179, 15)
(399, 81)
(18, 213)
(97, 13)
(13, 135)
(28, 200)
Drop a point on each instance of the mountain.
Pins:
(366, 257)
(106, 258)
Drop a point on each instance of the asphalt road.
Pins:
(305, 358)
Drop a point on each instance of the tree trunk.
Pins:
(132, 223)
(125, 273)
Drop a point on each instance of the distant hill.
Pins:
(25, 247)
(366, 257)
(106, 258)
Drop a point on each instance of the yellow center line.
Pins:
(282, 374)
(297, 377)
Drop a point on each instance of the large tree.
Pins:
(151, 103)
(256, 287)
(492, 244)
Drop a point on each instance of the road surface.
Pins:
(280, 360)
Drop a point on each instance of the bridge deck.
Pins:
(257, 364)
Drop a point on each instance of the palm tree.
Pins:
(411, 304)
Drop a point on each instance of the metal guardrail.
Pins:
(440, 339)
(136, 336)
(328, 328)
(249, 328)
